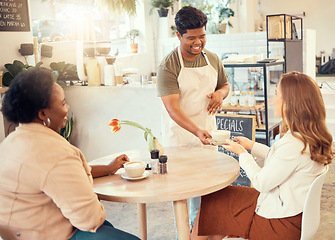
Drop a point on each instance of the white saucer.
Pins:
(125, 176)
(217, 143)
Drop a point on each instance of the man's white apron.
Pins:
(194, 85)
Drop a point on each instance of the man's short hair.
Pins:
(189, 18)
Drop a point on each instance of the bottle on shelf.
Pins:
(233, 99)
(251, 99)
(243, 100)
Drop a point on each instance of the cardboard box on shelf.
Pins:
(277, 29)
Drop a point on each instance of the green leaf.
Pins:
(146, 136)
(38, 64)
(118, 6)
(59, 67)
(15, 68)
(67, 130)
(7, 78)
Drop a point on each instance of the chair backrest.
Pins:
(311, 212)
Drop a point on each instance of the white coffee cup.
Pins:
(134, 169)
(220, 135)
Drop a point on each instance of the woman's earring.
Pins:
(47, 123)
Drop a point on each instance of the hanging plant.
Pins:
(118, 6)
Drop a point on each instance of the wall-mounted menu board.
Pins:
(239, 126)
(14, 16)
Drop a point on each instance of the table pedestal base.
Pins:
(142, 220)
(182, 222)
(181, 215)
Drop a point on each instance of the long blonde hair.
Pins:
(303, 112)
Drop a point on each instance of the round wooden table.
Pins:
(192, 172)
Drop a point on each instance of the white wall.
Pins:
(319, 16)
(94, 107)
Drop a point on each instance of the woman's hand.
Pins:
(117, 163)
(234, 147)
(245, 142)
(111, 168)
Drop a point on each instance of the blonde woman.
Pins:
(272, 209)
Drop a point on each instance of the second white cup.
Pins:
(220, 135)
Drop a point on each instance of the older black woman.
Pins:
(46, 189)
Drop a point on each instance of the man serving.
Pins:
(192, 84)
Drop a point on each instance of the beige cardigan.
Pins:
(45, 186)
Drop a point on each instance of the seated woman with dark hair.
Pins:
(46, 185)
(272, 209)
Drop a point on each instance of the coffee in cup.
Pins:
(134, 169)
(220, 135)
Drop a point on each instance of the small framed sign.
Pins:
(14, 16)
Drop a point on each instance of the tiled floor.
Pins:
(161, 219)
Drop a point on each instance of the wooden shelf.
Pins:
(229, 108)
(255, 110)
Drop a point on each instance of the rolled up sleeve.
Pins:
(69, 186)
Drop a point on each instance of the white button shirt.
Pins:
(284, 180)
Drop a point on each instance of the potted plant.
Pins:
(224, 13)
(66, 131)
(132, 35)
(65, 71)
(118, 6)
(13, 69)
(162, 6)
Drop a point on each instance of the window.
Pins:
(211, 8)
(58, 20)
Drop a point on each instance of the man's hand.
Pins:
(217, 98)
(203, 135)
(215, 103)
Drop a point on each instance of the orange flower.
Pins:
(115, 125)
(153, 143)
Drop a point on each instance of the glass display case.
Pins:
(258, 81)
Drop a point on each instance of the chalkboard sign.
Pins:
(239, 126)
(14, 16)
